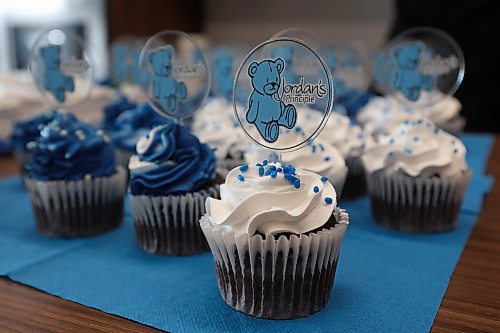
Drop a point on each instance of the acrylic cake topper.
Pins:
(420, 66)
(285, 74)
(62, 67)
(179, 74)
(349, 68)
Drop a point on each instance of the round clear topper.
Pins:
(421, 66)
(349, 68)
(178, 74)
(282, 87)
(62, 68)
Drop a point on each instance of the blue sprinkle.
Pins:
(391, 153)
(264, 162)
(415, 138)
(272, 167)
(316, 189)
(436, 130)
(406, 122)
(324, 179)
(453, 142)
(361, 135)
(292, 169)
(407, 151)
(290, 178)
(298, 129)
(258, 164)
(327, 158)
(286, 170)
(244, 167)
(273, 174)
(261, 171)
(321, 147)
(328, 200)
(455, 151)
(391, 141)
(268, 172)
(314, 149)
(296, 183)
(420, 121)
(279, 170)
(241, 178)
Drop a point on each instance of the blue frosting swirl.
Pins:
(132, 124)
(28, 130)
(69, 149)
(115, 109)
(171, 161)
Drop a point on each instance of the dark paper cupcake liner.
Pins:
(417, 205)
(22, 158)
(87, 207)
(170, 224)
(355, 184)
(276, 278)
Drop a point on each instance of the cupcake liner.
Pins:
(22, 158)
(417, 205)
(355, 183)
(276, 278)
(77, 208)
(170, 224)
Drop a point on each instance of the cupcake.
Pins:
(350, 140)
(318, 157)
(216, 126)
(417, 177)
(27, 131)
(275, 235)
(445, 113)
(115, 109)
(75, 187)
(170, 178)
(129, 127)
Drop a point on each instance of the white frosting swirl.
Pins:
(216, 126)
(417, 148)
(347, 137)
(444, 109)
(271, 205)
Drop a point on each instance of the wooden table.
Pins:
(471, 302)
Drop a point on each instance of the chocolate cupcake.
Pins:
(417, 177)
(75, 187)
(275, 235)
(170, 179)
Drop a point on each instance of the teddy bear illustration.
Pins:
(53, 79)
(266, 110)
(120, 65)
(223, 74)
(165, 88)
(408, 79)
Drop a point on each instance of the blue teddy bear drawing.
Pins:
(53, 79)
(167, 90)
(266, 110)
(223, 75)
(408, 79)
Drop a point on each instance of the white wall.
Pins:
(364, 21)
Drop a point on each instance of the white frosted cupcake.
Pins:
(350, 140)
(216, 126)
(319, 157)
(445, 113)
(275, 235)
(417, 177)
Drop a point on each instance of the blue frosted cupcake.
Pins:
(170, 179)
(27, 131)
(114, 109)
(129, 127)
(75, 187)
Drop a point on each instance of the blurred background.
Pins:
(367, 23)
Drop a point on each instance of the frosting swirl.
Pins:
(417, 148)
(28, 130)
(258, 198)
(170, 160)
(216, 126)
(132, 124)
(444, 109)
(114, 109)
(69, 149)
